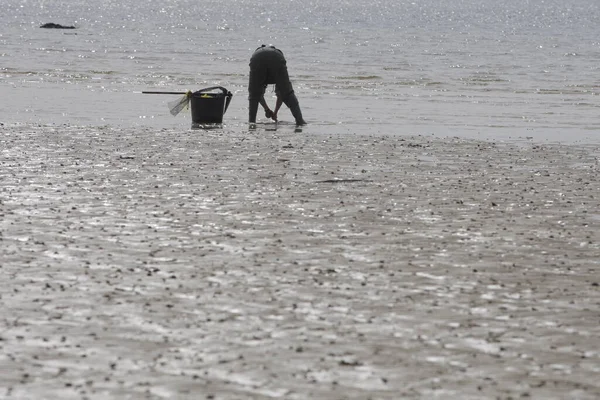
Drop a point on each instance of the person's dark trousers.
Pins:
(292, 103)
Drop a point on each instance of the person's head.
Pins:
(264, 46)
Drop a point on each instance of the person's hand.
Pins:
(268, 113)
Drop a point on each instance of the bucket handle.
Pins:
(226, 92)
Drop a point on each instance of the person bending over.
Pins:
(268, 66)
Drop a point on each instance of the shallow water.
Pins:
(466, 68)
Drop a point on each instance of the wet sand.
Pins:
(148, 264)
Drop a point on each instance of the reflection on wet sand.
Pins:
(151, 263)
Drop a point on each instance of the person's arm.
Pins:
(278, 104)
(263, 103)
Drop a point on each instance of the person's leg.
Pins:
(292, 102)
(255, 93)
(286, 91)
(252, 110)
(255, 86)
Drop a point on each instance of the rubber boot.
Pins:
(292, 103)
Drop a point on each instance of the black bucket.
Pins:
(209, 108)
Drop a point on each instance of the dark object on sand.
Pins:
(52, 25)
(208, 107)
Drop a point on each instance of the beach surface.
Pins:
(278, 264)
